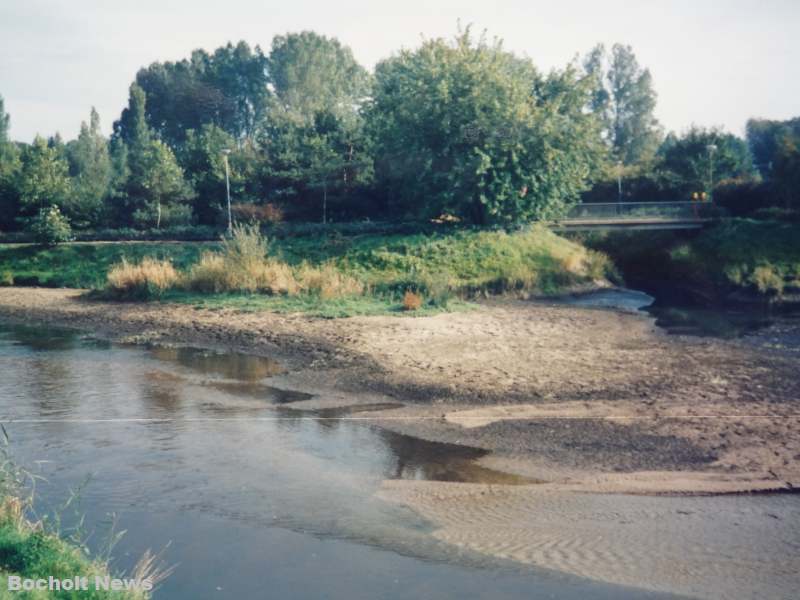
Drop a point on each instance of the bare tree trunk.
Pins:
(158, 218)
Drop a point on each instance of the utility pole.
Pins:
(225, 154)
(712, 148)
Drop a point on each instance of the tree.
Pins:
(227, 88)
(786, 171)
(50, 227)
(472, 130)
(43, 180)
(165, 191)
(686, 161)
(155, 184)
(312, 73)
(314, 139)
(624, 99)
(202, 158)
(91, 170)
(120, 173)
(765, 138)
(5, 122)
(9, 169)
(310, 163)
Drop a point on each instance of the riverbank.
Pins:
(327, 275)
(29, 552)
(733, 262)
(556, 393)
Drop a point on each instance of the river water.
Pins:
(689, 319)
(194, 453)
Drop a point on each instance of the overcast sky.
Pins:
(714, 62)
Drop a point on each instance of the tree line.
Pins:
(458, 127)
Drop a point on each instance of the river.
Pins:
(195, 454)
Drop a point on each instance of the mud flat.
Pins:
(556, 393)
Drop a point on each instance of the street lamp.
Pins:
(712, 148)
(225, 154)
(619, 181)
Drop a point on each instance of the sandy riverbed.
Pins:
(556, 393)
(578, 401)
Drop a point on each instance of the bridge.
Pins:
(638, 215)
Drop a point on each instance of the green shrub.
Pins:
(6, 278)
(50, 227)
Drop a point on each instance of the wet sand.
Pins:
(721, 547)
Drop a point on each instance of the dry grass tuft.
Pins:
(575, 263)
(328, 282)
(216, 273)
(767, 279)
(151, 277)
(412, 301)
(242, 266)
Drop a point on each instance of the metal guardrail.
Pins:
(646, 211)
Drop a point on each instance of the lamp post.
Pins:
(619, 181)
(225, 154)
(712, 148)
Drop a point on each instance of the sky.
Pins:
(714, 62)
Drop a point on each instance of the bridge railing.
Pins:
(650, 211)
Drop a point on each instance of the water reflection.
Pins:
(255, 389)
(162, 390)
(676, 316)
(435, 461)
(230, 365)
(724, 323)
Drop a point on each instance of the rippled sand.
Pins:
(710, 547)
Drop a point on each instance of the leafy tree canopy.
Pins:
(311, 73)
(91, 170)
(687, 161)
(472, 130)
(227, 88)
(765, 138)
(624, 99)
(44, 177)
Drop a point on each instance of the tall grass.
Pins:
(38, 548)
(148, 279)
(216, 273)
(328, 282)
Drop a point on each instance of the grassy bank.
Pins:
(738, 259)
(331, 275)
(30, 552)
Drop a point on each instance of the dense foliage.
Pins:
(462, 130)
(472, 130)
(624, 99)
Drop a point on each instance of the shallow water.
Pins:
(685, 319)
(196, 453)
